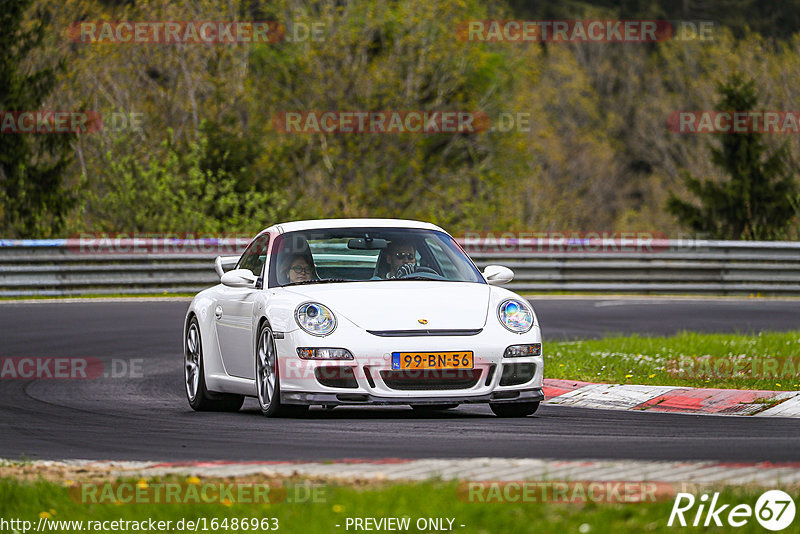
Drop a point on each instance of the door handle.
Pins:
(218, 312)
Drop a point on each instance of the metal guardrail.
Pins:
(66, 267)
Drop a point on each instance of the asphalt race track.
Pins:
(582, 318)
(146, 416)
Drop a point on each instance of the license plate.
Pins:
(432, 360)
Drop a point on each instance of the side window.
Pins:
(255, 256)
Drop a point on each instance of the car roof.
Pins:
(350, 223)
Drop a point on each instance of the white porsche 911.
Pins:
(360, 312)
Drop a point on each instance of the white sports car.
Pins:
(361, 312)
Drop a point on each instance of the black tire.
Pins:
(267, 360)
(515, 409)
(203, 399)
(431, 408)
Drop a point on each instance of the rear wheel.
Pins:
(200, 399)
(268, 385)
(516, 409)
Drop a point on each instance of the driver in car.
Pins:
(402, 259)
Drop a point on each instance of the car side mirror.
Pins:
(497, 275)
(225, 263)
(238, 278)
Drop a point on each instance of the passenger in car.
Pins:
(295, 268)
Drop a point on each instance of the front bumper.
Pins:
(373, 381)
(350, 398)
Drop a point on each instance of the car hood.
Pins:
(403, 305)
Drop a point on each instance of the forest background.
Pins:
(203, 154)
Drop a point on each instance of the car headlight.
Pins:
(315, 318)
(515, 316)
(324, 354)
(521, 351)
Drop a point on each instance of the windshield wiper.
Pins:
(320, 281)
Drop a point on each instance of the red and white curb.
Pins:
(672, 399)
(477, 469)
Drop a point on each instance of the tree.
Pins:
(174, 190)
(33, 199)
(757, 201)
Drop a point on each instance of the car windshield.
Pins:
(368, 254)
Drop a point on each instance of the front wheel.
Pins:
(515, 409)
(194, 377)
(268, 385)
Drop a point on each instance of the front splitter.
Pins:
(344, 398)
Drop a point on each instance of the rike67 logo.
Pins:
(774, 510)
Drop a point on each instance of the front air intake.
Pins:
(517, 373)
(432, 379)
(336, 377)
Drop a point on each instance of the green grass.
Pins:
(22, 461)
(665, 360)
(25, 500)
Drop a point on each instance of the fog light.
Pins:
(324, 354)
(520, 351)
